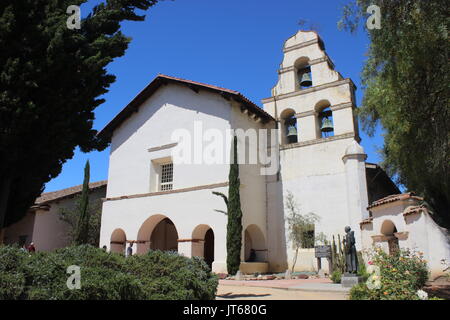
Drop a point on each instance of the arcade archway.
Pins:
(157, 233)
(203, 243)
(118, 241)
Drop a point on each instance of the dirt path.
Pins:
(226, 292)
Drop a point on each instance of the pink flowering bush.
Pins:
(401, 276)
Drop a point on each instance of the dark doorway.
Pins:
(209, 247)
(164, 237)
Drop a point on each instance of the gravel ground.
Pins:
(227, 292)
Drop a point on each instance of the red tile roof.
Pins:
(414, 209)
(366, 221)
(59, 194)
(161, 79)
(393, 198)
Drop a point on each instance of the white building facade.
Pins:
(402, 222)
(155, 202)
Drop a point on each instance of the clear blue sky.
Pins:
(236, 44)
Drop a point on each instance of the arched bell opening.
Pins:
(289, 126)
(303, 73)
(325, 123)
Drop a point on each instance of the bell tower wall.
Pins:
(312, 168)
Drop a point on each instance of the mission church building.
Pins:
(158, 204)
(306, 143)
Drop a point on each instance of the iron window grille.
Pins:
(166, 177)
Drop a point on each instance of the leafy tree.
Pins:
(71, 217)
(234, 226)
(51, 79)
(301, 228)
(406, 79)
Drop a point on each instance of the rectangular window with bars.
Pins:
(166, 182)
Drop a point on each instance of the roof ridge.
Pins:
(154, 85)
(393, 198)
(57, 194)
(198, 83)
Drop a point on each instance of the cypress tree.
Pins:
(82, 233)
(52, 79)
(234, 226)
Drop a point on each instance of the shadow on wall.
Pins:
(276, 233)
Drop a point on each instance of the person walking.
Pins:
(31, 248)
(130, 250)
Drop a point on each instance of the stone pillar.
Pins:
(307, 126)
(356, 185)
(198, 248)
(142, 247)
(185, 247)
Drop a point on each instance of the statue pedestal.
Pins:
(348, 280)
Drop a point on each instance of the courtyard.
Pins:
(295, 289)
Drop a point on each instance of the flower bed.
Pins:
(400, 276)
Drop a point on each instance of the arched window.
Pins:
(303, 73)
(325, 119)
(289, 127)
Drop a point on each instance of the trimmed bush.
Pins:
(401, 276)
(171, 276)
(104, 276)
(336, 276)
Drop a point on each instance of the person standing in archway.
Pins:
(130, 250)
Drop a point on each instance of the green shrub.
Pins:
(362, 270)
(359, 292)
(401, 276)
(171, 276)
(104, 276)
(11, 285)
(336, 276)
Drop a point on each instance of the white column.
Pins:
(357, 198)
(307, 127)
(185, 248)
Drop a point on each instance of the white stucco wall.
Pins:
(44, 227)
(417, 232)
(171, 107)
(175, 107)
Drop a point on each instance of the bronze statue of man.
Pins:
(351, 258)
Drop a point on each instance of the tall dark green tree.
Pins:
(82, 231)
(406, 80)
(234, 225)
(51, 79)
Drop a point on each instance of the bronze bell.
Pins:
(306, 80)
(327, 125)
(292, 134)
